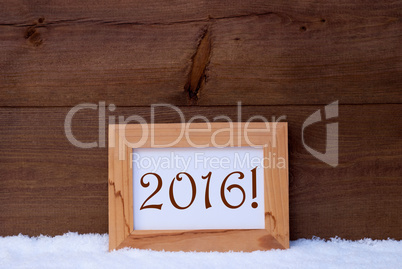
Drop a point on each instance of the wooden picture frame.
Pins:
(273, 139)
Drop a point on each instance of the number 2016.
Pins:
(179, 177)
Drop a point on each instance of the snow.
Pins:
(72, 250)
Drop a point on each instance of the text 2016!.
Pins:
(194, 190)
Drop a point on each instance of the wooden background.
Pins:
(276, 57)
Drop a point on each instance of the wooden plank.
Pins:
(127, 62)
(141, 11)
(263, 60)
(212, 53)
(48, 182)
(277, 212)
(18, 12)
(198, 134)
(202, 240)
(111, 191)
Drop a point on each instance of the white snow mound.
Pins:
(73, 250)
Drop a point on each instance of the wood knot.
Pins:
(33, 36)
(269, 214)
(200, 61)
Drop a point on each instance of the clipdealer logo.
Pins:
(148, 128)
(330, 156)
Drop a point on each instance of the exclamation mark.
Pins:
(254, 186)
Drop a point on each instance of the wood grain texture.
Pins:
(18, 12)
(260, 53)
(288, 57)
(203, 240)
(48, 182)
(124, 138)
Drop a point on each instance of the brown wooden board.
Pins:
(49, 186)
(279, 57)
(210, 53)
(19, 12)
